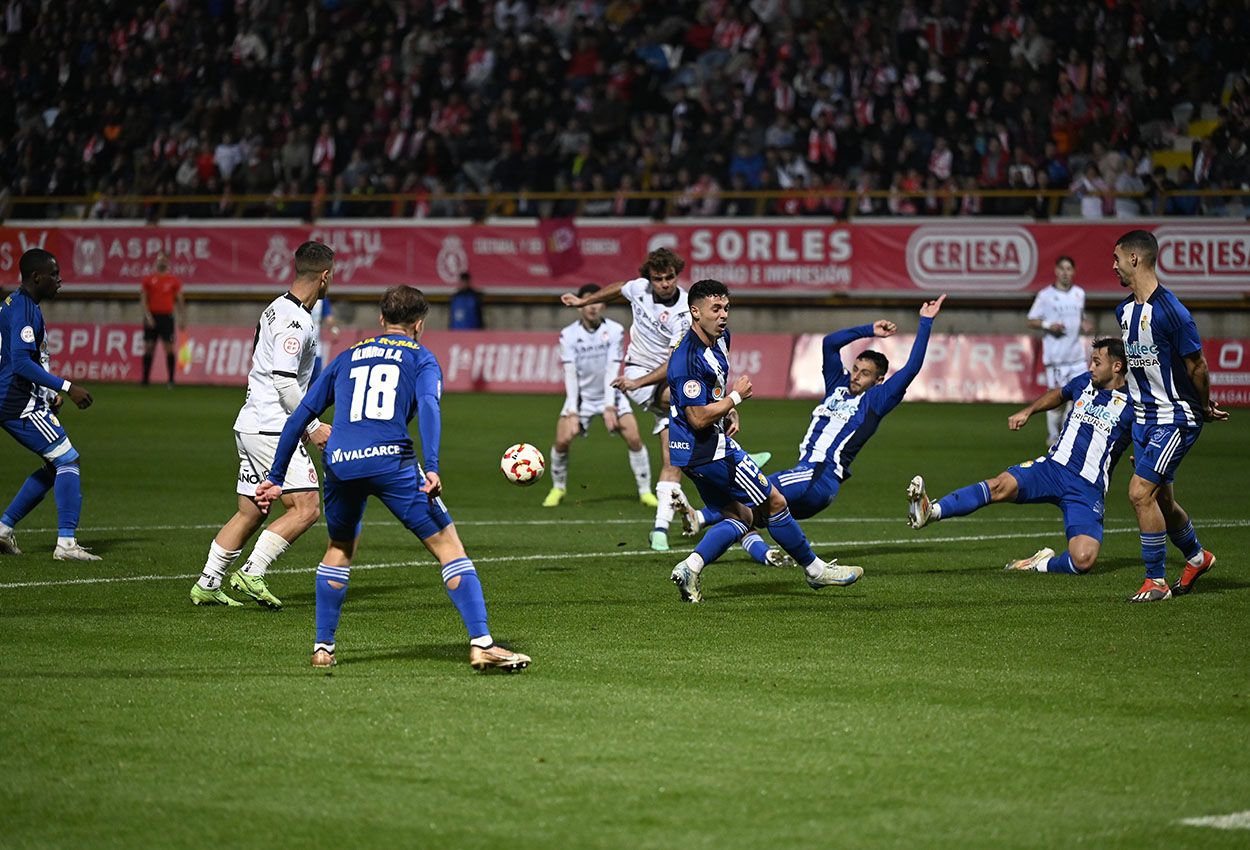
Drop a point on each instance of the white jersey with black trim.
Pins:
(657, 328)
(285, 344)
(1053, 306)
(594, 352)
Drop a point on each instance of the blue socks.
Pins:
(467, 595)
(965, 500)
(790, 537)
(330, 600)
(1154, 553)
(1061, 563)
(718, 538)
(31, 494)
(68, 494)
(756, 547)
(1184, 538)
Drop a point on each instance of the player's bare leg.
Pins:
(465, 590)
(1181, 532)
(639, 458)
(301, 511)
(567, 429)
(222, 553)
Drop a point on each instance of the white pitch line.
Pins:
(1237, 820)
(564, 556)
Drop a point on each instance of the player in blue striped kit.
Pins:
(1074, 475)
(856, 400)
(1170, 388)
(703, 419)
(376, 387)
(28, 406)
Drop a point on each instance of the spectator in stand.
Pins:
(1092, 190)
(465, 308)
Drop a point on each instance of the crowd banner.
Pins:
(957, 368)
(969, 258)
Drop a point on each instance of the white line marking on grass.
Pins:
(1237, 820)
(615, 553)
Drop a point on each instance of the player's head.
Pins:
(1065, 271)
(1135, 253)
(709, 308)
(162, 262)
(314, 263)
(1107, 363)
(591, 312)
(466, 280)
(662, 267)
(404, 307)
(41, 274)
(868, 370)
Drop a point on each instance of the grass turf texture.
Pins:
(939, 702)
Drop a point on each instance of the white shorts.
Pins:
(590, 408)
(649, 398)
(1058, 374)
(256, 453)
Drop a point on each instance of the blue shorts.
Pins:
(41, 432)
(809, 488)
(1159, 450)
(399, 491)
(1043, 480)
(733, 478)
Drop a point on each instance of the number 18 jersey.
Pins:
(377, 386)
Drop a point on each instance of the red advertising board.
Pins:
(969, 257)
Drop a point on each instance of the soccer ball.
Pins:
(522, 464)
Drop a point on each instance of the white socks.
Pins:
(640, 463)
(482, 641)
(219, 560)
(5, 529)
(695, 562)
(559, 469)
(815, 568)
(66, 542)
(269, 547)
(664, 510)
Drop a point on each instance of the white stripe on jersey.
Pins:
(1097, 450)
(828, 419)
(1166, 403)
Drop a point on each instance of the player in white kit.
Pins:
(284, 350)
(592, 349)
(1058, 312)
(661, 319)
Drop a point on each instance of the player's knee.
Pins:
(776, 501)
(1083, 559)
(1000, 488)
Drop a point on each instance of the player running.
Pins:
(704, 418)
(856, 400)
(1058, 311)
(661, 319)
(592, 349)
(28, 406)
(282, 362)
(1170, 387)
(1074, 475)
(379, 384)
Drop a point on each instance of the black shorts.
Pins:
(162, 327)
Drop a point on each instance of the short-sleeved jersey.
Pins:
(657, 327)
(842, 423)
(1052, 305)
(1158, 335)
(594, 352)
(1095, 433)
(377, 386)
(162, 291)
(284, 345)
(22, 339)
(697, 375)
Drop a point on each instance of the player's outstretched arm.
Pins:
(655, 376)
(1200, 374)
(1048, 401)
(894, 389)
(607, 293)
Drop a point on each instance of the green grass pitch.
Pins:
(939, 702)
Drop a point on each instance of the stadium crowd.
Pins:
(345, 100)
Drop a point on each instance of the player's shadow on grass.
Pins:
(450, 652)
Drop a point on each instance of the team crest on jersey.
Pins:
(28, 334)
(1144, 323)
(763, 480)
(291, 345)
(691, 389)
(1081, 403)
(717, 392)
(664, 317)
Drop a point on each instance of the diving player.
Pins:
(1074, 475)
(376, 387)
(285, 349)
(703, 418)
(28, 405)
(592, 349)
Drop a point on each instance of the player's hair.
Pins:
(587, 289)
(1064, 258)
(313, 258)
(34, 261)
(707, 289)
(877, 359)
(1141, 242)
(404, 305)
(659, 260)
(1115, 348)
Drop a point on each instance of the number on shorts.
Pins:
(373, 391)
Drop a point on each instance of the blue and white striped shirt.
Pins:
(697, 376)
(1096, 431)
(1158, 335)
